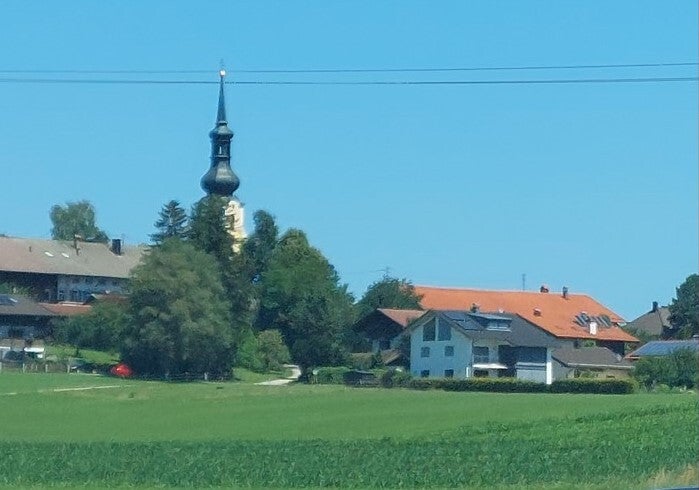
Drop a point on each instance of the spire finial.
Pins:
(221, 116)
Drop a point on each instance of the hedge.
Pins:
(330, 375)
(591, 385)
(513, 385)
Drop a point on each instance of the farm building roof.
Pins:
(652, 322)
(61, 257)
(560, 315)
(590, 357)
(18, 305)
(663, 348)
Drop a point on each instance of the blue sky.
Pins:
(590, 186)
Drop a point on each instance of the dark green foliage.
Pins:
(389, 292)
(101, 329)
(172, 222)
(180, 317)
(259, 246)
(679, 369)
(513, 385)
(75, 218)
(612, 450)
(593, 385)
(207, 228)
(263, 352)
(301, 297)
(329, 375)
(501, 385)
(393, 378)
(684, 310)
(272, 350)
(208, 233)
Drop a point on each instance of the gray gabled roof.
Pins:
(590, 357)
(522, 333)
(60, 257)
(18, 305)
(652, 322)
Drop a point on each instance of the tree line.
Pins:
(196, 306)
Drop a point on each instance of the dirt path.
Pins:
(295, 373)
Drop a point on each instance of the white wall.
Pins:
(437, 362)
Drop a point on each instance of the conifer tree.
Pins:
(172, 222)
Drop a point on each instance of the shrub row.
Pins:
(513, 385)
(399, 379)
(329, 375)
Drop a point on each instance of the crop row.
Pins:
(593, 449)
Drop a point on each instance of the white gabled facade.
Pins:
(439, 349)
(438, 357)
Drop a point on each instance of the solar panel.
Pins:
(665, 347)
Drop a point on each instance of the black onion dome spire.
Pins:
(220, 179)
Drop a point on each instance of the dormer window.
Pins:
(498, 325)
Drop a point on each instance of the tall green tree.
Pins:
(301, 297)
(261, 243)
(180, 319)
(389, 292)
(172, 222)
(208, 233)
(684, 309)
(75, 218)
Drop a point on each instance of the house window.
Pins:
(61, 295)
(481, 355)
(428, 332)
(425, 373)
(448, 351)
(74, 295)
(425, 352)
(444, 331)
(480, 373)
(448, 373)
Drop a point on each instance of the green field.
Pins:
(151, 434)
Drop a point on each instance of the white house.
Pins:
(463, 344)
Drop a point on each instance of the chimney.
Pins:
(76, 239)
(116, 246)
(565, 292)
(544, 288)
(655, 307)
(475, 307)
(537, 312)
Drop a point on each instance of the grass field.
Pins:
(150, 434)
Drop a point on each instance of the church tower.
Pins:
(220, 180)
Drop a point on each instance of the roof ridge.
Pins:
(462, 288)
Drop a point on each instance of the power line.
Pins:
(360, 70)
(370, 82)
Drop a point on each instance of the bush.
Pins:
(499, 385)
(394, 378)
(330, 375)
(675, 370)
(513, 385)
(592, 385)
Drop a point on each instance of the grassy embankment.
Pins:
(233, 434)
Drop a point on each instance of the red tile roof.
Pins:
(402, 317)
(554, 313)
